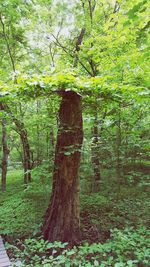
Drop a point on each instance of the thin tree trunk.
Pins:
(95, 155)
(20, 129)
(50, 143)
(5, 151)
(38, 156)
(26, 156)
(50, 147)
(118, 151)
(62, 219)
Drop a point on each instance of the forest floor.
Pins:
(123, 209)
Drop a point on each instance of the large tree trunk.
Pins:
(5, 151)
(62, 219)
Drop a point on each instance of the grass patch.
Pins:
(22, 208)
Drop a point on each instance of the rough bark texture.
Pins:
(5, 155)
(62, 219)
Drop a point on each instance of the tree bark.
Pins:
(95, 156)
(62, 219)
(20, 129)
(5, 151)
(26, 156)
(118, 150)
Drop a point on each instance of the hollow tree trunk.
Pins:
(62, 219)
(5, 151)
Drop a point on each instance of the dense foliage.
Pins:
(98, 52)
(127, 248)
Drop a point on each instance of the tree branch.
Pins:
(7, 43)
(67, 51)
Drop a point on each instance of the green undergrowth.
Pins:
(22, 207)
(106, 212)
(116, 206)
(114, 223)
(127, 248)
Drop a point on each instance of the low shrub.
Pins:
(128, 248)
